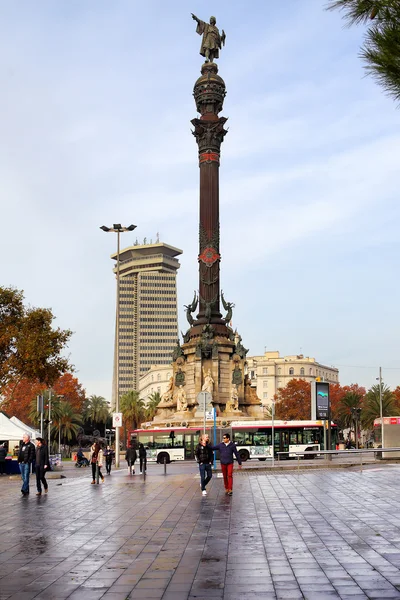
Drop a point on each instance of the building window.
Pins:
(291, 371)
(265, 395)
(302, 371)
(265, 383)
(152, 377)
(310, 371)
(159, 377)
(265, 370)
(159, 390)
(279, 371)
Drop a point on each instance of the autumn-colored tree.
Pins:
(17, 399)
(29, 346)
(396, 399)
(71, 390)
(293, 402)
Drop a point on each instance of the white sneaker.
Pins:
(204, 493)
(141, 472)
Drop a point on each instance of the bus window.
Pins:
(162, 440)
(147, 441)
(293, 438)
(310, 436)
(178, 440)
(239, 437)
(260, 439)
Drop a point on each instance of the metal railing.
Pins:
(328, 453)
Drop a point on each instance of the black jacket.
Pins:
(3, 454)
(42, 456)
(26, 453)
(142, 451)
(204, 454)
(131, 455)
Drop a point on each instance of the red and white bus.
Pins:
(252, 438)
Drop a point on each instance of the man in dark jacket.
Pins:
(130, 457)
(142, 458)
(205, 458)
(3, 454)
(26, 457)
(227, 450)
(41, 465)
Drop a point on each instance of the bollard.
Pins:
(298, 464)
(361, 464)
(97, 474)
(165, 465)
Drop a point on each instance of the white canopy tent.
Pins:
(9, 430)
(34, 433)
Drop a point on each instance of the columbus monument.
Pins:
(212, 357)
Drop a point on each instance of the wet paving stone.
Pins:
(283, 535)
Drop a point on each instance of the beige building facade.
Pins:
(156, 379)
(271, 371)
(148, 317)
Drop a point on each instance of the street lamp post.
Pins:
(118, 229)
(273, 432)
(381, 404)
(356, 416)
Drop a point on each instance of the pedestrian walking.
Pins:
(130, 457)
(108, 454)
(205, 458)
(142, 458)
(96, 459)
(26, 456)
(41, 465)
(3, 454)
(227, 450)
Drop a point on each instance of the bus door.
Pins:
(189, 446)
(283, 442)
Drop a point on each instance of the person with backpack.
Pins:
(142, 458)
(130, 457)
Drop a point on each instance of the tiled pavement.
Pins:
(313, 534)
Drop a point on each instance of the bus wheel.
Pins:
(244, 455)
(162, 456)
(310, 456)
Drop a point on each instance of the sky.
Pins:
(95, 129)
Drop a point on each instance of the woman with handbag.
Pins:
(42, 464)
(96, 458)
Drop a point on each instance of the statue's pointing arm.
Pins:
(195, 18)
(223, 37)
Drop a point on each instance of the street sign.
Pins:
(210, 415)
(204, 400)
(117, 419)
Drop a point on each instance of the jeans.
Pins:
(227, 471)
(143, 463)
(108, 464)
(205, 475)
(25, 469)
(94, 465)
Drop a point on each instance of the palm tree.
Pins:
(151, 407)
(132, 408)
(67, 422)
(350, 400)
(372, 407)
(96, 410)
(381, 50)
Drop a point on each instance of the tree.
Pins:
(151, 407)
(67, 421)
(396, 399)
(97, 410)
(133, 411)
(17, 398)
(293, 402)
(29, 346)
(351, 399)
(372, 407)
(381, 49)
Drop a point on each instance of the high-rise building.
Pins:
(148, 319)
